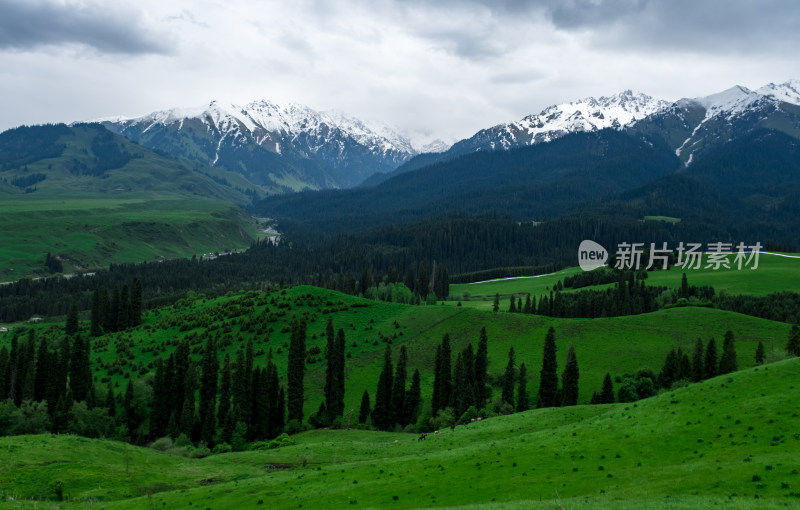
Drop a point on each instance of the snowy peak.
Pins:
(788, 92)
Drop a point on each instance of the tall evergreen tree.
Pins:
(760, 356)
(80, 372)
(332, 371)
(259, 416)
(522, 390)
(481, 370)
(698, 368)
(160, 407)
(413, 399)
(364, 411)
(209, 366)
(512, 305)
(569, 379)
(27, 368)
(684, 292)
(177, 377)
(711, 362)
(4, 370)
(72, 325)
(96, 328)
(496, 304)
(464, 381)
(397, 405)
(381, 417)
(437, 381)
(187, 418)
(793, 345)
(340, 364)
(224, 408)
(240, 390)
(508, 379)
(124, 311)
(43, 371)
(277, 406)
(136, 303)
(446, 374)
(727, 362)
(607, 393)
(548, 380)
(296, 370)
(111, 401)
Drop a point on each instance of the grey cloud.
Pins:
(30, 24)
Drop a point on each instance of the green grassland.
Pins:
(93, 232)
(774, 273)
(617, 345)
(731, 441)
(146, 208)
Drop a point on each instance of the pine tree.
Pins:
(111, 401)
(527, 307)
(481, 370)
(684, 292)
(136, 303)
(548, 381)
(209, 366)
(296, 371)
(760, 356)
(340, 364)
(793, 345)
(464, 381)
(160, 407)
(80, 373)
(71, 328)
(124, 313)
(177, 377)
(113, 311)
(446, 374)
(508, 379)
(698, 369)
(711, 363)
(4, 372)
(43, 371)
(129, 413)
(397, 405)
(607, 393)
(277, 404)
(522, 391)
(669, 370)
(364, 411)
(27, 367)
(496, 305)
(383, 394)
(569, 379)
(413, 398)
(240, 390)
(727, 362)
(512, 306)
(331, 372)
(259, 416)
(187, 418)
(96, 328)
(224, 408)
(436, 398)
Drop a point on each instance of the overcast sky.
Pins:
(450, 67)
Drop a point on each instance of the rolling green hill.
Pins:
(91, 198)
(618, 345)
(729, 441)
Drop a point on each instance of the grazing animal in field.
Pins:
(423, 436)
(479, 418)
(436, 432)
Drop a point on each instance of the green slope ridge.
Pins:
(730, 440)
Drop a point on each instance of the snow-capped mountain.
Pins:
(283, 146)
(692, 126)
(588, 114)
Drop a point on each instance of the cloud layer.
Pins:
(447, 68)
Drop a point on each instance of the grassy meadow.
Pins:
(731, 441)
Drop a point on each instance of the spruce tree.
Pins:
(727, 362)
(80, 373)
(446, 374)
(96, 328)
(527, 307)
(296, 371)
(43, 371)
(711, 362)
(760, 356)
(436, 398)
(340, 365)
(27, 367)
(136, 303)
(277, 407)
(512, 306)
(481, 370)
(397, 405)
(496, 304)
(383, 394)
(259, 416)
(464, 381)
(548, 380)
(124, 313)
(413, 399)
(71, 328)
(569, 379)
(522, 391)
(224, 408)
(111, 401)
(607, 393)
(698, 368)
(793, 345)
(4, 373)
(684, 292)
(508, 379)
(240, 390)
(364, 411)
(187, 418)
(331, 370)
(160, 409)
(209, 366)
(113, 310)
